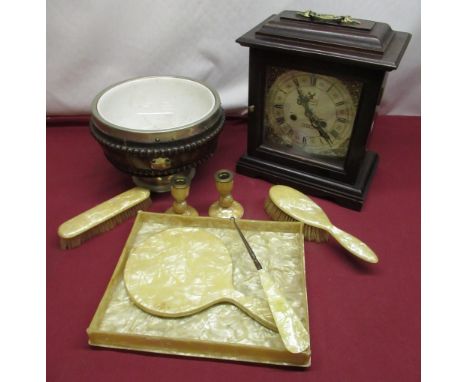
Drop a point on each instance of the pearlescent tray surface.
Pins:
(222, 331)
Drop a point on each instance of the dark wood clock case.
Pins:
(364, 52)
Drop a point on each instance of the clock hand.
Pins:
(319, 125)
(316, 123)
(302, 99)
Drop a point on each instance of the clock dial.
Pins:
(309, 113)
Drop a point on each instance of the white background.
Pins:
(93, 44)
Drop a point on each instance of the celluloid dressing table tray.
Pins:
(222, 331)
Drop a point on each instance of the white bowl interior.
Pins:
(156, 103)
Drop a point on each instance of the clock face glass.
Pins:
(309, 114)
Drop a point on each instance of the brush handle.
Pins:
(353, 245)
(293, 333)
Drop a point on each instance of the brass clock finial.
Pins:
(320, 17)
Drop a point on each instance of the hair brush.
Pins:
(287, 204)
(103, 217)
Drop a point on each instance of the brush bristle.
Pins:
(310, 233)
(68, 243)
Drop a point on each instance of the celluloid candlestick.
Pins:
(225, 206)
(180, 189)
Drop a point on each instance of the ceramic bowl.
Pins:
(156, 127)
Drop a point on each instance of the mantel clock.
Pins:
(314, 84)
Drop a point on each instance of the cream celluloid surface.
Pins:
(303, 209)
(102, 212)
(181, 271)
(295, 337)
(222, 331)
